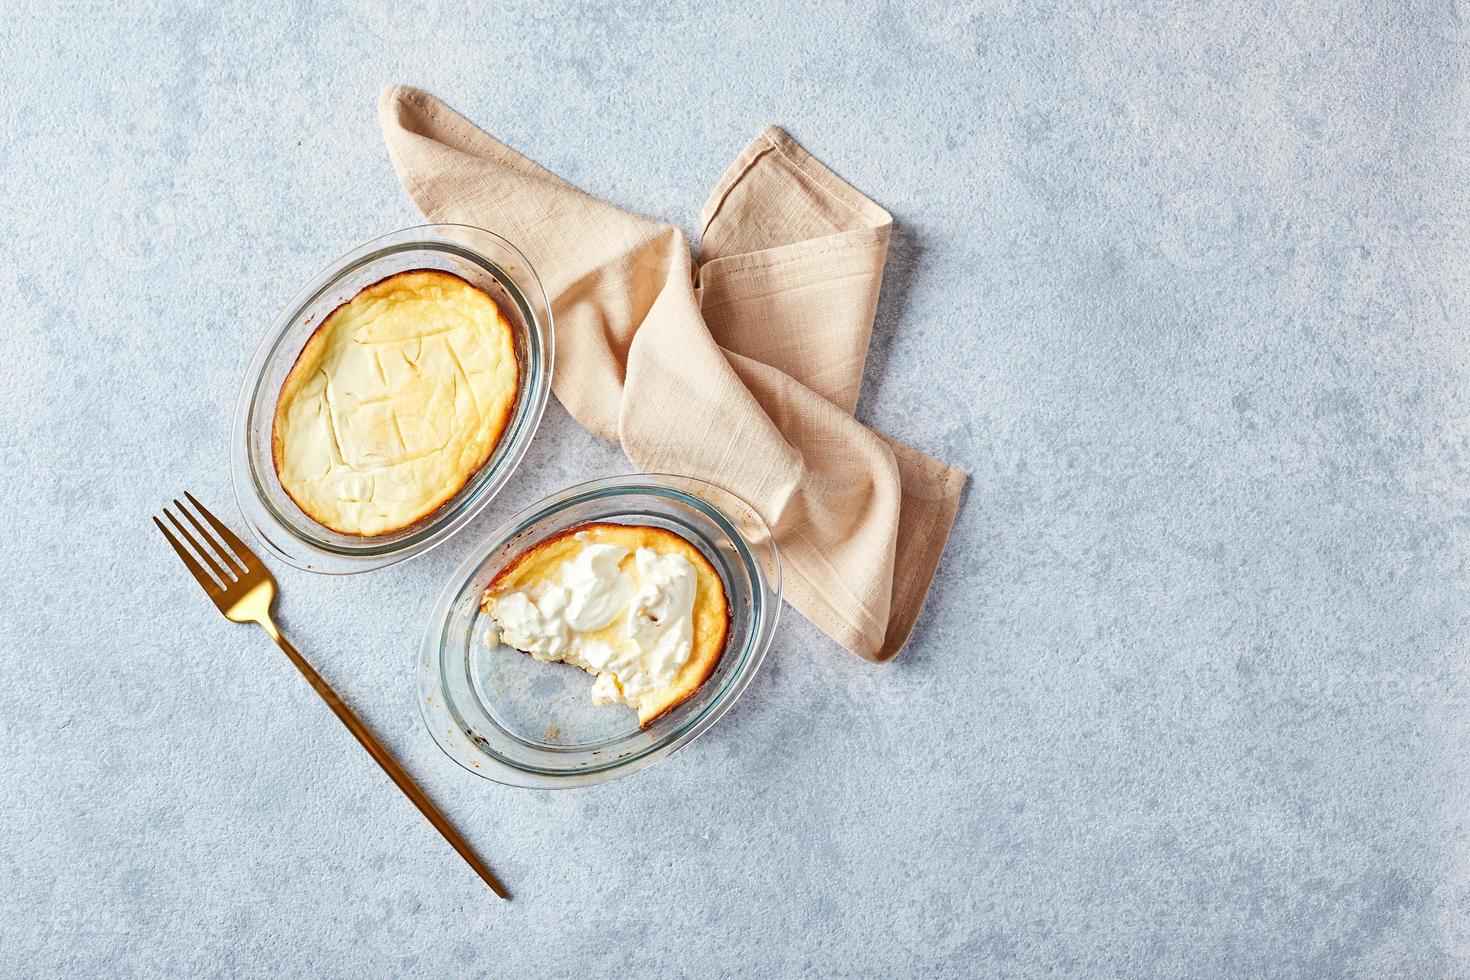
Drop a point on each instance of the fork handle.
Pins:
(390, 765)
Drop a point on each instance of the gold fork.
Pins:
(243, 589)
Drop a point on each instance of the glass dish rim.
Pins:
(300, 551)
(766, 599)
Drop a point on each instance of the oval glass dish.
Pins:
(509, 718)
(486, 261)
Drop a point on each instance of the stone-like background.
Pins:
(1182, 286)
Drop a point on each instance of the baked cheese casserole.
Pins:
(398, 398)
(639, 608)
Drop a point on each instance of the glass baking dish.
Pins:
(509, 718)
(482, 258)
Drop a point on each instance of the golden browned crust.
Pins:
(295, 377)
(698, 669)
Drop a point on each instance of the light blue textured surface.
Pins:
(1182, 286)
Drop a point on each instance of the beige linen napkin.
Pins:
(743, 370)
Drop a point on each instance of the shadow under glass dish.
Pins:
(481, 258)
(515, 720)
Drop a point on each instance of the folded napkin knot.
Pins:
(743, 370)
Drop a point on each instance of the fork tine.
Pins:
(206, 553)
(231, 561)
(200, 575)
(244, 555)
